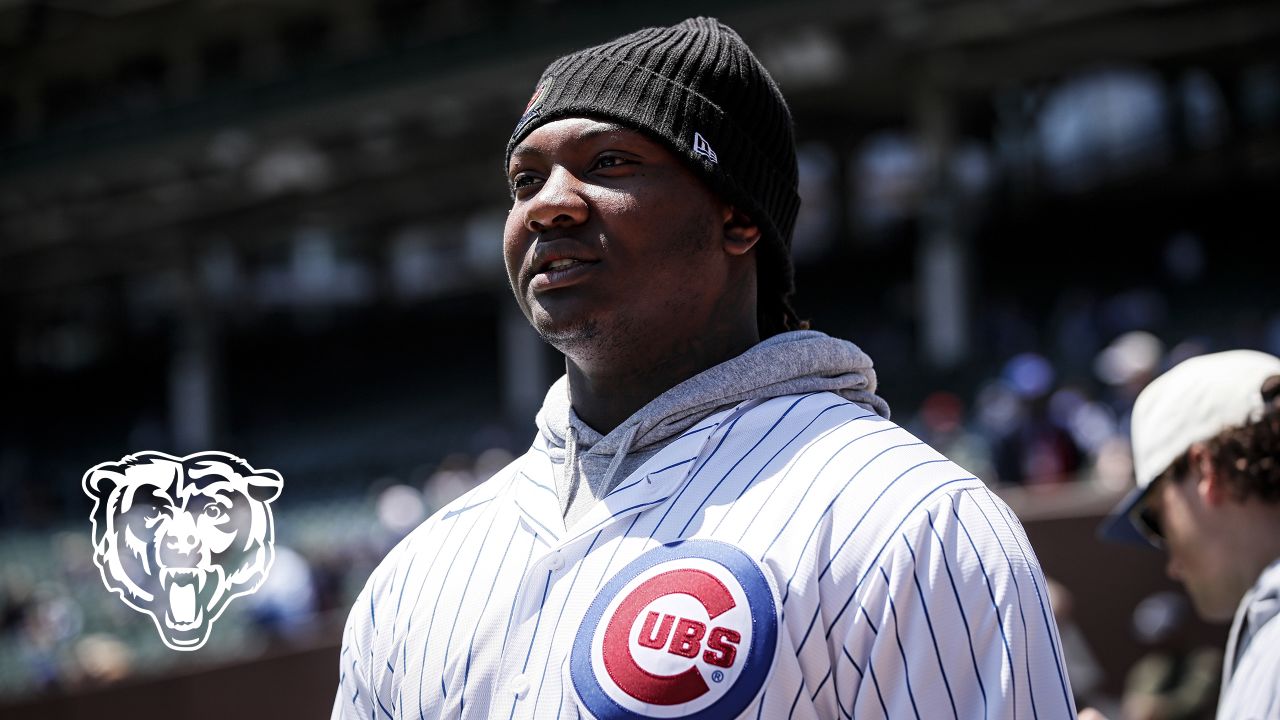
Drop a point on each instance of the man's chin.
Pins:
(565, 334)
(1213, 609)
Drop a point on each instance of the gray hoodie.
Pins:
(787, 364)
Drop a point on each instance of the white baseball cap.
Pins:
(1197, 399)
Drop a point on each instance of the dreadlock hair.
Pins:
(775, 286)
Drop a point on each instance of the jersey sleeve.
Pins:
(353, 700)
(953, 621)
(365, 688)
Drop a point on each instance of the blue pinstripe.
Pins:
(462, 599)
(915, 577)
(760, 707)
(572, 582)
(821, 684)
(1013, 676)
(835, 499)
(533, 639)
(431, 625)
(699, 429)
(782, 481)
(506, 631)
(530, 516)
(466, 670)
(804, 451)
(622, 512)
(968, 633)
(867, 512)
(876, 558)
(809, 486)
(1040, 597)
(871, 670)
(697, 471)
(854, 699)
(735, 465)
(640, 479)
(796, 700)
(538, 485)
(906, 666)
(455, 513)
(614, 555)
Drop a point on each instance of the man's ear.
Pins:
(740, 232)
(1210, 484)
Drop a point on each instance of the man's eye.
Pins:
(608, 161)
(522, 180)
(213, 511)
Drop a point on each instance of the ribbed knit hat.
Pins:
(697, 88)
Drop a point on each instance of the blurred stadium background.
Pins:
(273, 228)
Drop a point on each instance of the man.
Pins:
(1206, 454)
(708, 524)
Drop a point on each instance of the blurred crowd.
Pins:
(1045, 419)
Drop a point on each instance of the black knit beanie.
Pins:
(697, 88)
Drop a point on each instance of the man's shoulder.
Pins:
(1253, 690)
(822, 410)
(845, 449)
(425, 535)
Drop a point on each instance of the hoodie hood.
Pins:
(790, 363)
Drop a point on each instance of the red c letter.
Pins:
(622, 667)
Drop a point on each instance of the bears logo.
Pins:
(687, 630)
(178, 538)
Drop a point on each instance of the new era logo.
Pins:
(703, 148)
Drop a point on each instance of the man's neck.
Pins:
(1257, 540)
(604, 395)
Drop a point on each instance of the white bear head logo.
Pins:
(178, 538)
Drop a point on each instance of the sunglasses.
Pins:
(1147, 519)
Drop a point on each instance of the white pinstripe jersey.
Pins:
(793, 558)
(1251, 682)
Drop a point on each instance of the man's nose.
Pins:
(558, 203)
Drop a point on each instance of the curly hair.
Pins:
(1248, 456)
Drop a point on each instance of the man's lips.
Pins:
(559, 262)
(560, 273)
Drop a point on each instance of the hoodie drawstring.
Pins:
(570, 468)
(624, 447)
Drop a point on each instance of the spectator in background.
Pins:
(1206, 449)
(1127, 366)
(1172, 681)
(1082, 665)
(1031, 447)
(941, 425)
(284, 606)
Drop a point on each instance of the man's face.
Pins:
(1194, 543)
(612, 244)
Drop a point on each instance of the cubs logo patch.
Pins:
(686, 630)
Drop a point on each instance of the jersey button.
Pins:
(520, 686)
(556, 561)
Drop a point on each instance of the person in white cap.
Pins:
(1206, 455)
